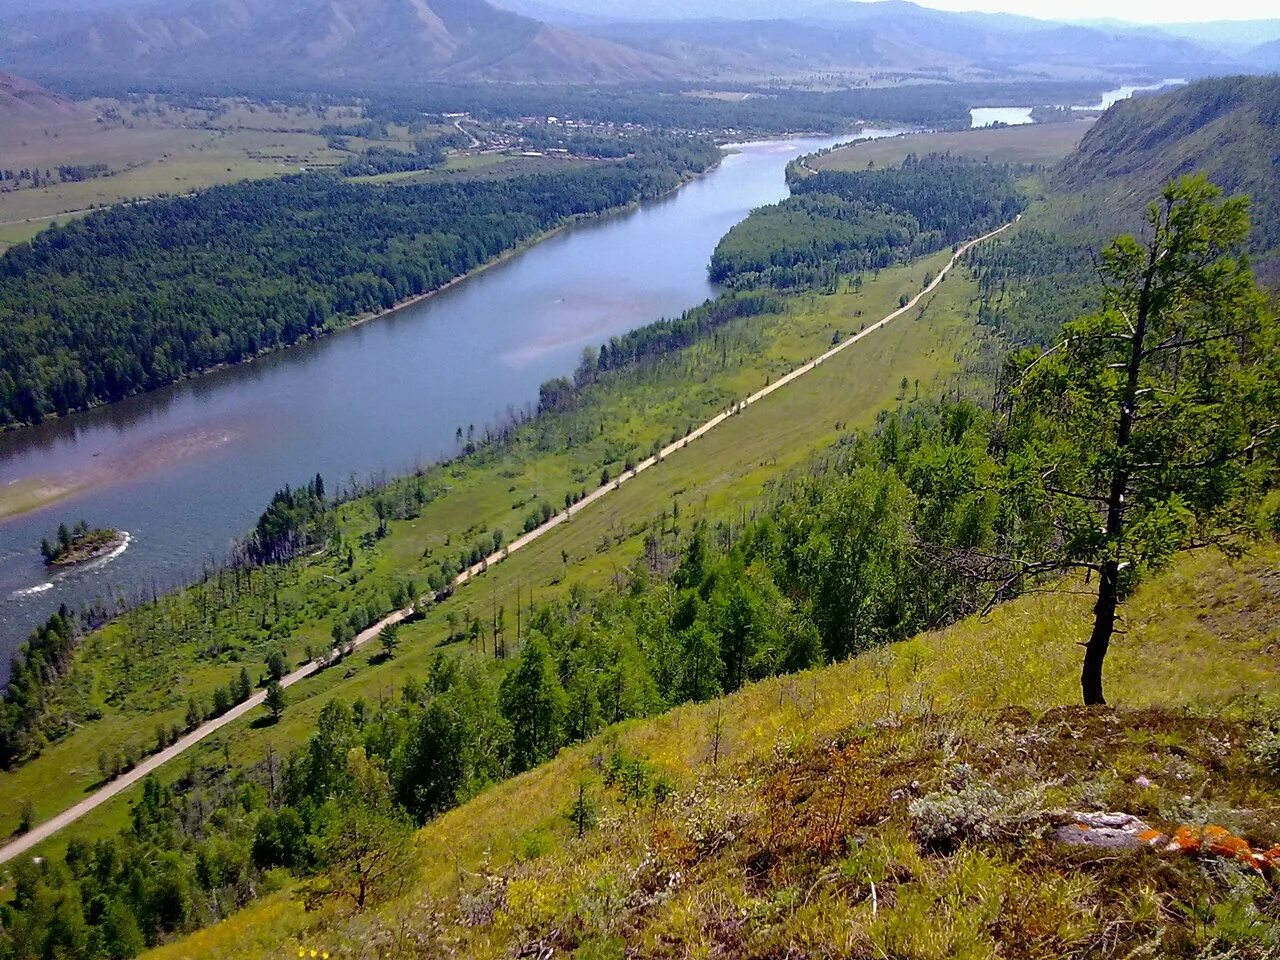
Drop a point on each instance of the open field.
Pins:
(729, 469)
(157, 162)
(154, 148)
(15, 233)
(1035, 143)
(480, 166)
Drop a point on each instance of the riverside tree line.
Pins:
(839, 223)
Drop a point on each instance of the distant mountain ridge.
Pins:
(336, 38)
(536, 40)
(1267, 55)
(896, 35)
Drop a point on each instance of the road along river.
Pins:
(47, 829)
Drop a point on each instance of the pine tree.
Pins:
(276, 700)
(390, 639)
(533, 702)
(1150, 427)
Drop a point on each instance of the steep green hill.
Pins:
(899, 804)
(1227, 127)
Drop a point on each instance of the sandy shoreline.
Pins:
(33, 493)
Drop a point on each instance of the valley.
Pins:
(396, 618)
(536, 313)
(731, 464)
(511, 479)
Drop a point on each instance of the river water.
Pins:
(186, 470)
(1018, 116)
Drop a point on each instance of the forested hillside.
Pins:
(902, 803)
(139, 296)
(1228, 128)
(768, 600)
(837, 223)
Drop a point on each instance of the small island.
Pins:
(79, 544)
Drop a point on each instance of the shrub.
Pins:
(967, 809)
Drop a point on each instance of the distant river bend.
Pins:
(188, 468)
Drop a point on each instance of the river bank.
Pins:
(34, 494)
(479, 493)
(383, 399)
(349, 322)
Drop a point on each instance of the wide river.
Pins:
(186, 470)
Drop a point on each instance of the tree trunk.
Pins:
(1104, 624)
(1104, 610)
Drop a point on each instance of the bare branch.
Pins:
(1195, 342)
(1093, 497)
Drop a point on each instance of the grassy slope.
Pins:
(1198, 636)
(727, 469)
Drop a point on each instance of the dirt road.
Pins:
(47, 829)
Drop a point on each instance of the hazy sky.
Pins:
(1149, 11)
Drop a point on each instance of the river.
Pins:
(1018, 116)
(187, 469)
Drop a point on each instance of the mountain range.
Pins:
(407, 40)
(1267, 55)
(905, 36)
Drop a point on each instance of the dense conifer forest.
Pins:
(837, 223)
